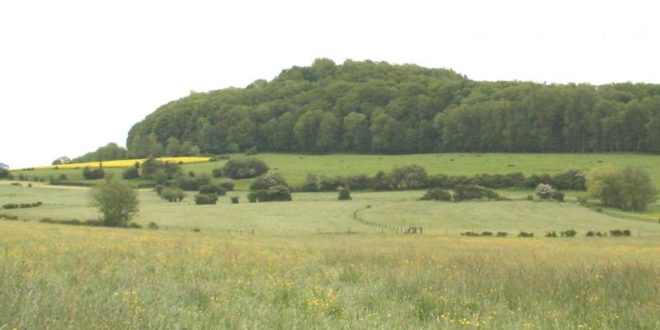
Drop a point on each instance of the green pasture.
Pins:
(317, 213)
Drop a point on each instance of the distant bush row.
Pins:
(550, 234)
(462, 193)
(10, 206)
(415, 177)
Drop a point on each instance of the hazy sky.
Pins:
(75, 75)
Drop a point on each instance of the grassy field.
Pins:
(313, 213)
(295, 167)
(319, 263)
(75, 277)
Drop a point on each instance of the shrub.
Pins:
(409, 177)
(502, 234)
(570, 180)
(189, 183)
(212, 189)
(544, 191)
(558, 196)
(330, 183)
(630, 188)
(344, 194)
(10, 206)
(92, 174)
(244, 168)
(436, 194)
(131, 173)
(551, 234)
(311, 183)
(216, 172)
(471, 192)
(159, 171)
(381, 182)
(159, 189)
(525, 234)
(152, 225)
(117, 201)
(171, 194)
(486, 233)
(618, 233)
(356, 182)
(226, 184)
(439, 181)
(234, 199)
(206, 199)
(568, 233)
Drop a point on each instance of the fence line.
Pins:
(629, 217)
(395, 228)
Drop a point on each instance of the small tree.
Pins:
(436, 194)
(269, 187)
(344, 194)
(628, 189)
(544, 191)
(117, 201)
(244, 168)
(172, 194)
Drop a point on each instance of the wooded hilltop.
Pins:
(376, 107)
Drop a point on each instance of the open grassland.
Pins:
(60, 277)
(313, 213)
(295, 167)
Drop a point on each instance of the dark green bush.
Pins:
(436, 194)
(244, 168)
(525, 234)
(344, 194)
(172, 194)
(226, 184)
(409, 177)
(568, 233)
(471, 192)
(212, 189)
(330, 183)
(206, 199)
(311, 183)
(234, 199)
(92, 174)
(131, 173)
(216, 172)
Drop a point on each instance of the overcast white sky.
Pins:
(75, 75)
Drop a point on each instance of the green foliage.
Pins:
(344, 194)
(93, 174)
(190, 183)
(436, 194)
(226, 184)
(544, 191)
(269, 187)
(311, 183)
(131, 173)
(384, 108)
(116, 200)
(212, 189)
(172, 194)
(111, 151)
(4, 173)
(206, 199)
(471, 192)
(244, 168)
(159, 171)
(629, 188)
(409, 177)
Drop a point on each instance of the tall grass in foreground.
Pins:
(68, 277)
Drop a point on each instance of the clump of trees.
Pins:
(629, 188)
(116, 200)
(382, 108)
(172, 194)
(472, 192)
(93, 174)
(546, 192)
(436, 194)
(159, 171)
(244, 168)
(269, 187)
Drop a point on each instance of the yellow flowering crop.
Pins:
(129, 162)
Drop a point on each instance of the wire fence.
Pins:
(383, 227)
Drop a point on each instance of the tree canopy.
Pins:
(383, 108)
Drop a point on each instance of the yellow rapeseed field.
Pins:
(129, 162)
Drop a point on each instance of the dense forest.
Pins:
(369, 107)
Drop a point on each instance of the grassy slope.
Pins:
(321, 213)
(295, 167)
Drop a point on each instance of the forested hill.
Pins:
(381, 108)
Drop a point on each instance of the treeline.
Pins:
(413, 177)
(381, 108)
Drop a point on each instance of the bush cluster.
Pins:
(415, 177)
(436, 194)
(92, 174)
(172, 194)
(269, 187)
(159, 171)
(10, 206)
(206, 199)
(344, 194)
(243, 168)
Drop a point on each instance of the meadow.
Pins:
(295, 167)
(321, 263)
